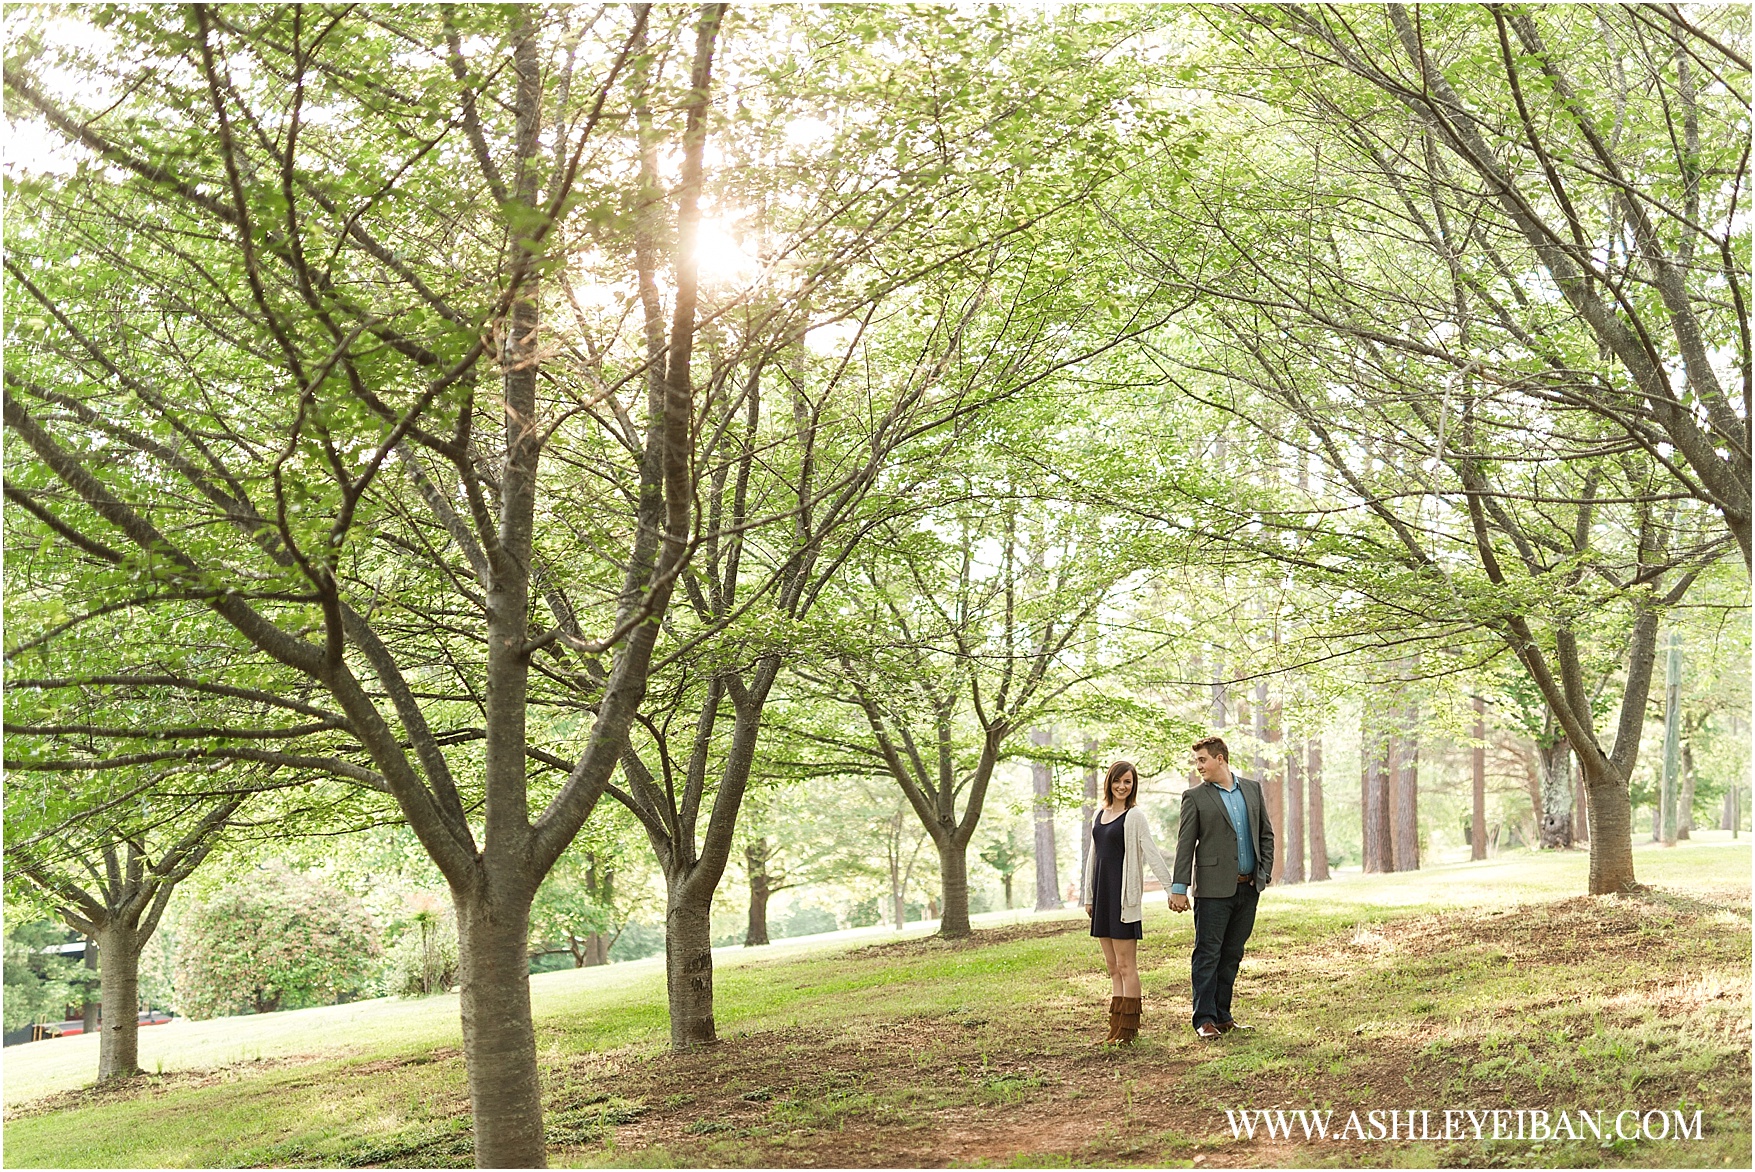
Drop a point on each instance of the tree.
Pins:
(962, 655)
(794, 835)
(799, 440)
(1623, 185)
(285, 942)
(1004, 856)
(111, 883)
(1404, 346)
(297, 400)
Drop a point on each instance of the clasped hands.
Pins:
(1178, 903)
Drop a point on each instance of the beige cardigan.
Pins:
(1137, 834)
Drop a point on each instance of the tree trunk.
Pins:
(1611, 840)
(1390, 778)
(1006, 882)
(1318, 833)
(688, 968)
(499, 1039)
(1367, 805)
(1374, 800)
(1042, 786)
(1555, 825)
(1407, 797)
(756, 860)
(119, 986)
(1293, 871)
(1220, 698)
(1273, 780)
(600, 882)
(596, 949)
(1672, 737)
(1685, 803)
(1088, 811)
(953, 869)
(1478, 765)
(897, 894)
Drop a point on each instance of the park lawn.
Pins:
(1465, 986)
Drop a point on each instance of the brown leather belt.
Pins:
(1243, 879)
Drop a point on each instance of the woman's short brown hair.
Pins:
(1215, 747)
(1116, 772)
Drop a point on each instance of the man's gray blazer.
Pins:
(1206, 843)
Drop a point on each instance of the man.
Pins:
(1225, 850)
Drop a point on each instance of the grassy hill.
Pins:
(1468, 986)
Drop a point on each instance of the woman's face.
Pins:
(1123, 786)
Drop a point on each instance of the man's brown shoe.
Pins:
(1226, 1027)
(1207, 1030)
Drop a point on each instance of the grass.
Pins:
(1489, 985)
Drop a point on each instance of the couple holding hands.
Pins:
(1224, 858)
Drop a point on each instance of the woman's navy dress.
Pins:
(1109, 855)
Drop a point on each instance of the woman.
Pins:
(1116, 854)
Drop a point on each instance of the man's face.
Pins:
(1209, 767)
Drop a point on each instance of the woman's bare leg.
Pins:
(1124, 970)
(1111, 961)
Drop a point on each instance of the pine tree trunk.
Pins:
(1042, 788)
(1385, 781)
(1293, 871)
(953, 869)
(1555, 827)
(1374, 800)
(1407, 793)
(119, 992)
(1367, 807)
(1478, 765)
(1088, 811)
(1672, 762)
(897, 895)
(499, 1039)
(1318, 831)
(1685, 805)
(1273, 781)
(1390, 778)
(688, 968)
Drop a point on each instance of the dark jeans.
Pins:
(1221, 928)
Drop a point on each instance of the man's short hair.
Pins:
(1215, 747)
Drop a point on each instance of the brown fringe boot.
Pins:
(1115, 1004)
(1129, 1014)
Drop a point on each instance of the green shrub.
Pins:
(275, 939)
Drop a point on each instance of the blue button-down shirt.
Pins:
(1239, 811)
